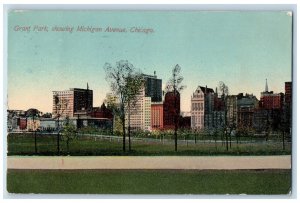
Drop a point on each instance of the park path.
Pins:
(153, 162)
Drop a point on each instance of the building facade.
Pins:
(288, 92)
(33, 124)
(197, 109)
(171, 107)
(140, 113)
(287, 110)
(101, 112)
(153, 87)
(48, 124)
(72, 103)
(23, 123)
(269, 100)
(157, 119)
(231, 108)
(246, 106)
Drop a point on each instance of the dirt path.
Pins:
(154, 162)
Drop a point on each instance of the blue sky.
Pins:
(241, 49)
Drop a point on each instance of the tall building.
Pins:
(171, 108)
(72, 103)
(231, 108)
(157, 119)
(197, 109)
(140, 113)
(153, 87)
(207, 109)
(246, 106)
(288, 105)
(288, 92)
(269, 100)
(210, 118)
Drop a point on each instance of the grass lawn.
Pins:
(90, 146)
(149, 181)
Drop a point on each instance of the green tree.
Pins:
(125, 82)
(69, 133)
(134, 84)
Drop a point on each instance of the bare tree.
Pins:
(60, 106)
(174, 85)
(34, 113)
(224, 93)
(125, 84)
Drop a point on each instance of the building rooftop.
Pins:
(208, 90)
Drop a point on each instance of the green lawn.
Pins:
(149, 181)
(46, 145)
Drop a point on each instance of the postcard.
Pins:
(149, 102)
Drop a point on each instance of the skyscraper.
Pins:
(197, 109)
(171, 109)
(140, 113)
(73, 102)
(153, 87)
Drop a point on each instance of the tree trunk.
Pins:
(35, 143)
(215, 141)
(68, 146)
(175, 118)
(35, 147)
(226, 141)
(283, 145)
(230, 139)
(124, 135)
(129, 140)
(175, 134)
(176, 126)
(58, 138)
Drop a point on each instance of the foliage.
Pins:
(69, 133)
(32, 113)
(125, 83)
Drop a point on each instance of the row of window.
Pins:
(197, 120)
(197, 106)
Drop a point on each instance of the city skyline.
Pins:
(241, 49)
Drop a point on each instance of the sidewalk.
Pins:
(153, 162)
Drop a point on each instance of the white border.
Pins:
(132, 5)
